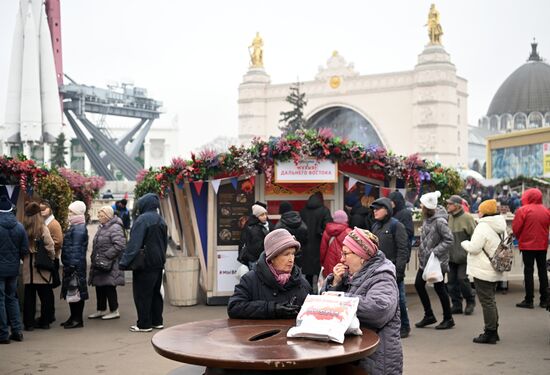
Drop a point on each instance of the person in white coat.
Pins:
(483, 244)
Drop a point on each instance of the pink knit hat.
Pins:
(340, 217)
(278, 241)
(362, 242)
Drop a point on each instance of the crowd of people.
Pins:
(38, 254)
(362, 251)
(368, 259)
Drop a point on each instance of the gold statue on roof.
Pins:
(256, 52)
(434, 27)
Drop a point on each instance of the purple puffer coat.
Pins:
(376, 286)
(110, 242)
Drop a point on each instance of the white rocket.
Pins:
(33, 111)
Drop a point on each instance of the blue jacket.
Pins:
(149, 231)
(13, 246)
(73, 256)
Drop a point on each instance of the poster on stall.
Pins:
(233, 206)
(306, 171)
(227, 270)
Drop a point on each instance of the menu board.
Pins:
(233, 209)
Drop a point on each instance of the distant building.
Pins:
(522, 103)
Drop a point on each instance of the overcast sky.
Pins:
(192, 54)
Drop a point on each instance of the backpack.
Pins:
(502, 259)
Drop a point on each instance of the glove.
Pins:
(286, 311)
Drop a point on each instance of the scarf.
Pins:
(281, 277)
(76, 219)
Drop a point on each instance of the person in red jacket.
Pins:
(331, 242)
(530, 226)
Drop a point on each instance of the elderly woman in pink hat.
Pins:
(276, 288)
(365, 272)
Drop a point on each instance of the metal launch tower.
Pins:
(37, 98)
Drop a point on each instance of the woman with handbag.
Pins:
(484, 242)
(57, 235)
(73, 256)
(36, 276)
(436, 237)
(105, 275)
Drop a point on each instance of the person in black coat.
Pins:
(252, 236)
(316, 216)
(13, 247)
(403, 214)
(361, 214)
(150, 233)
(292, 221)
(276, 289)
(393, 241)
(73, 257)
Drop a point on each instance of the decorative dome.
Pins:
(526, 90)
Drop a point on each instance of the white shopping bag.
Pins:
(327, 318)
(432, 272)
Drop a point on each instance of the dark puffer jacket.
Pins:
(292, 221)
(316, 216)
(392, 239)
(361, 217)
(109, 242)
(437, 238)
(257, 293)
(253, 239)
(13, 246)
(403, 214)
(73, 257)
(378, 309)
(149, 231)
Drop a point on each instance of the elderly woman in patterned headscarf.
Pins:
(365, 272)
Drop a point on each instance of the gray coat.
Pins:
(375, 285)
(436, 237)
(110, 242)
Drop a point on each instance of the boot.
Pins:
(426, 321)
(487, 337)
(469, 308)
(446, 324)
(525, 304)
(456, 309)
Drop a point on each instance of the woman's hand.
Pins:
(339, 271)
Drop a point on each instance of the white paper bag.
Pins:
(327, 318)
(432, 272)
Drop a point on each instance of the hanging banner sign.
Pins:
(306, 171)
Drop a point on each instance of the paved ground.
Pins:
(107, 347)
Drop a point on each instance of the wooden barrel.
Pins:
(182, 280)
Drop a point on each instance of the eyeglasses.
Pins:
(344, 254)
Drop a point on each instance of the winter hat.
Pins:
(362, 242)
(32, 208)
(258, 210)
(285, 207)
(77, 208)
(455, 199)
(340, 217)
(429, 200)
(278, 241)
(108, 211)
(488, 207)
(5, 204)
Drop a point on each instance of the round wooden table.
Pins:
(223, 345)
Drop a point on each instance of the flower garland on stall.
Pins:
(21, 171)
(261, 156)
